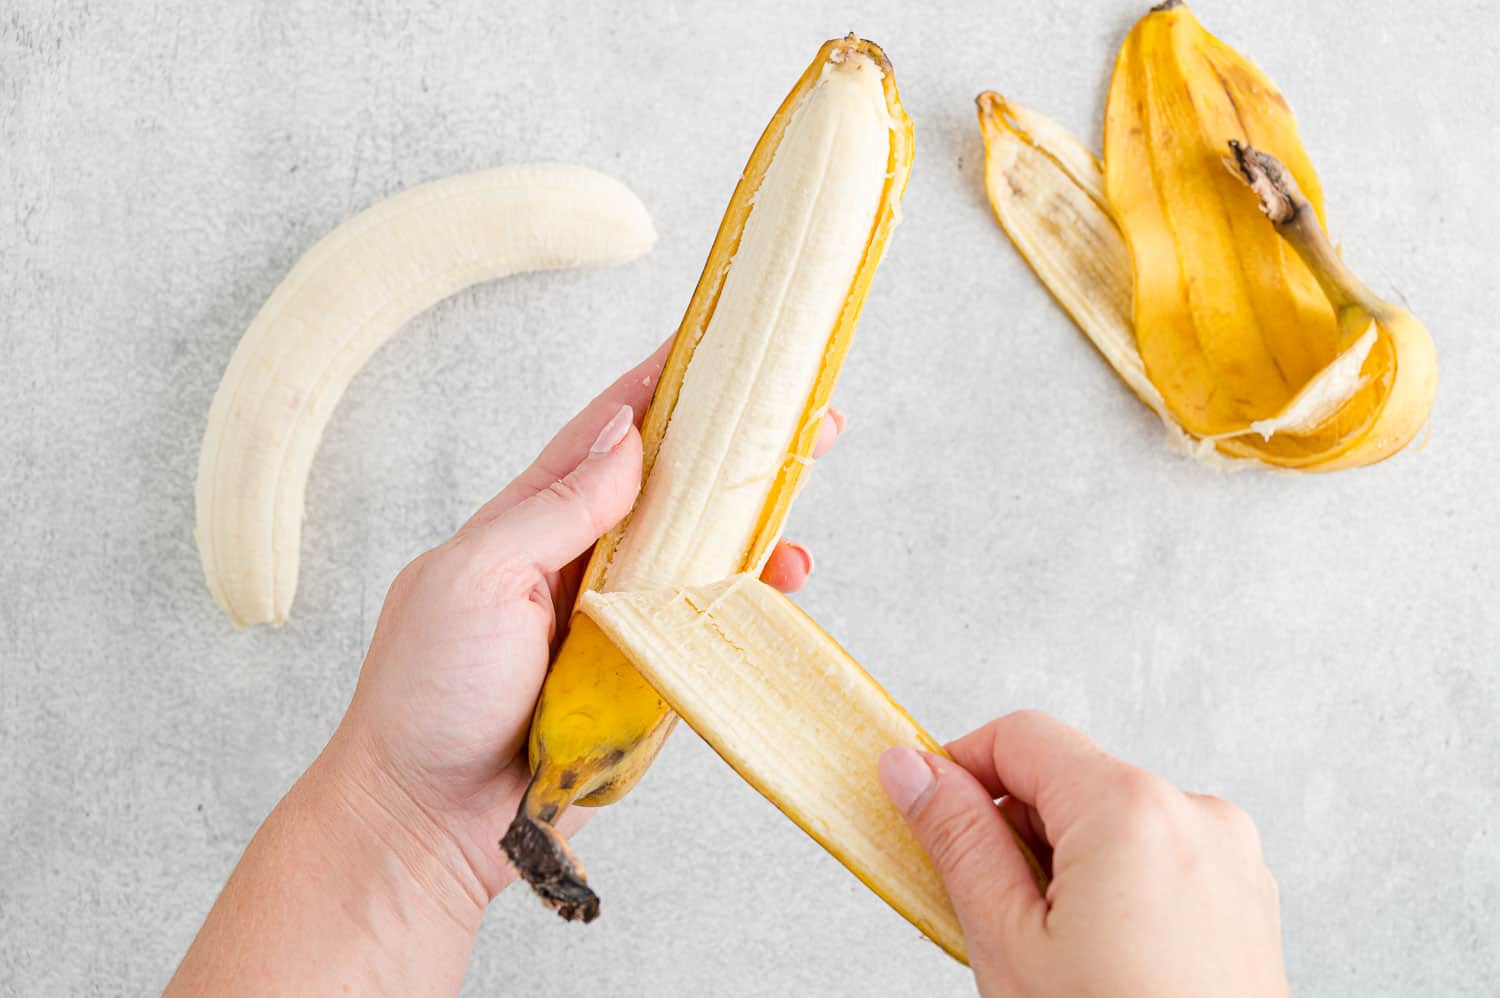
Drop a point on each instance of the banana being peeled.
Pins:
(346, 297)
(1238, 333)
(730, 429)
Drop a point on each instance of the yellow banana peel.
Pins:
(1251, 339)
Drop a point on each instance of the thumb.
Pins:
(559, 523)
(956, 821)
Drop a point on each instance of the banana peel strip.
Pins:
(1047, 191)
(795, 716)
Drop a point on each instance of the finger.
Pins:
(1038, 759)
(828, 432)
(556, 525)
(956, 821)
(563, 585)
(1027, 824)
(571, 445)
(788, 567)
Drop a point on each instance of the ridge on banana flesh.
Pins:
(342, 300)
(1251, 341)
(760, 681)
(731, 427)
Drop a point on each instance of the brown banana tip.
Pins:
(544, 860)
(1166, 5)
(840, 49)
(1279, 195)
(995, 115)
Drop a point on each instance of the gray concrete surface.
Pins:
(1002, 527)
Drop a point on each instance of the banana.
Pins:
(795, 716)
(344, 298)
(1238, 337)
(730, 429)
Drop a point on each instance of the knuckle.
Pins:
(1149, 806)
(1241, 824)
(409, 579)
(504, 579)
(1028, 718)
(470, 576)
(1234, 822)
(565, 492)
(957, 840)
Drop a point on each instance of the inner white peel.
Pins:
(795, 716)
(1322, 396)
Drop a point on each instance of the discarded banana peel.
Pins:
(346, 297)
(731, 427)
(1163, 257)
(795, 716)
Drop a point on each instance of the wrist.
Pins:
(415, 859)
(341, 890)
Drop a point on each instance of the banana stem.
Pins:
(1296, 222)
(541, 855)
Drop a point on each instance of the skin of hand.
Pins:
(374, 870)
(1154, 892)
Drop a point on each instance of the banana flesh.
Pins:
(756, 362)
(1253, 346)
(795, 716)
(731, 428)
(343, 299)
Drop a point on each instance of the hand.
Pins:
(1154, 892)
(438, 723)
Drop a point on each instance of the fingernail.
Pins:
(614, 431)
(907, 779)
(804, 554)
(839, 420)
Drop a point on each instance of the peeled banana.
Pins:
(795, 716)
(347, 295)
(730, 429)
(1210, 314)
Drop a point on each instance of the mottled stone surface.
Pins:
(1002, 527)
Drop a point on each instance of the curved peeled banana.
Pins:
(346, 297)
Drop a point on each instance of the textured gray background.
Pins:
(1002, 527)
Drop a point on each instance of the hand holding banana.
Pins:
(463, 641)
(396, 821)
(1194, 256)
